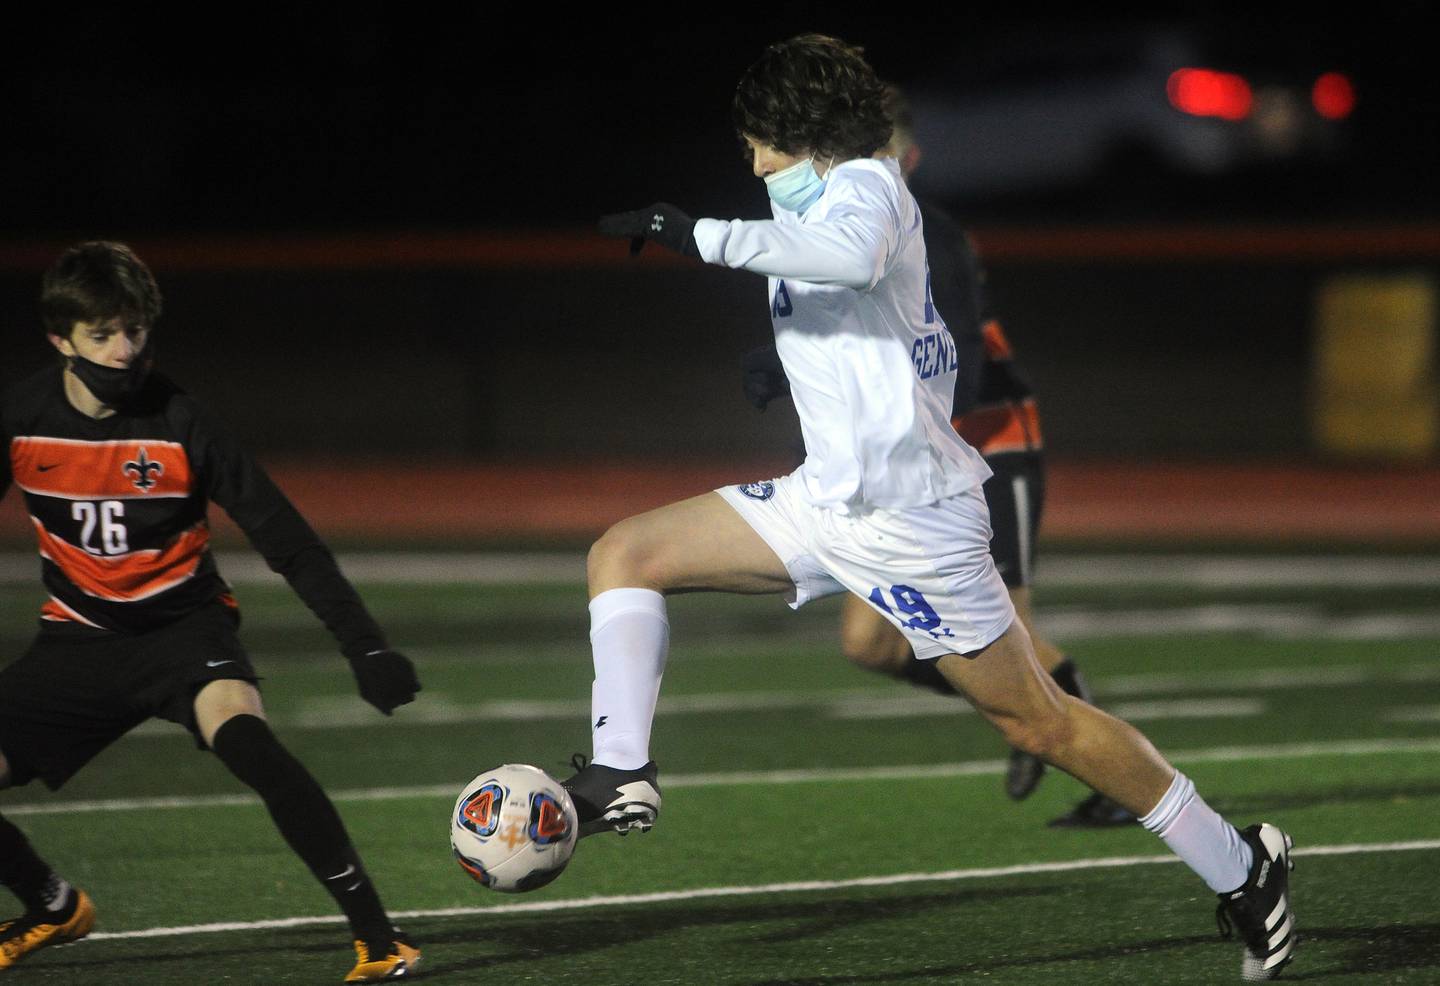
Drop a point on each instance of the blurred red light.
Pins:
(1333, 96)
(1206, 92)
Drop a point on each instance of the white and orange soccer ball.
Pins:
(513, 828)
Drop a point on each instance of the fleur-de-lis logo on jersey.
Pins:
(141, 468)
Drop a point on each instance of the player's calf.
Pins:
(1025, 770)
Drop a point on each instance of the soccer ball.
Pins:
(513, 828)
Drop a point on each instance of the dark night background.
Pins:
(310, 118)
(184, 127)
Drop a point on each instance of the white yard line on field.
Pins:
(1414, 713)
(970, 768)
(1279, 622)
(702, 893)
(346, 711)
(508, 568)
(904, 706)
(1227, 571)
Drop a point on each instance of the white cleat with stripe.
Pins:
(1260, 910)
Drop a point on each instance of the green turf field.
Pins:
(821, 826)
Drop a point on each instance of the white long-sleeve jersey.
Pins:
(870, 362)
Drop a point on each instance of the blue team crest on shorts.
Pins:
(758, 491)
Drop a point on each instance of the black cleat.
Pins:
(1095, 812)
(608, 799)
(1023, 774)
(1260, 909)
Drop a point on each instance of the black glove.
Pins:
(387, 679)
(661, 222)
(764, 378)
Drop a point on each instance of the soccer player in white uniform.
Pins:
(887, 503)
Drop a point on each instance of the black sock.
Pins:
(307, 820)
(1071, 681)
(28, 876)
(927, 674)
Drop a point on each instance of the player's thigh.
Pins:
(695, 544)
(1004, 681)
(65, 699)
(219, 701)
(197, 672)
(868, 639)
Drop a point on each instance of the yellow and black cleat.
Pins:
(401, 961)
(32, 932)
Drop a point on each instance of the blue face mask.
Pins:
(796, 188)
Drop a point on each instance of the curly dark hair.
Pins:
(94, 282)
(813, 93)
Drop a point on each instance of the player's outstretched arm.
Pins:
(386, 678)
(661, 222)
(849, 247)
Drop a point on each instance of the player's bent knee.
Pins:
(610, 557)
(625, 555)
(869, 641)
(861, 654)
(880, 648)
(220, 701)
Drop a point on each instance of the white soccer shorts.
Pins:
(926, 569)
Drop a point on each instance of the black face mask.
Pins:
(112, 385)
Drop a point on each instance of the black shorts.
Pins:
(77, 690)
(1016, 498)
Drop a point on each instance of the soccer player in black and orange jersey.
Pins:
(117, 466)
(996, 414)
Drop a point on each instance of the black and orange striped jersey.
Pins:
(1004, 417)
(119, 508)
(994, 408)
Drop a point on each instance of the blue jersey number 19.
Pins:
(910, 602)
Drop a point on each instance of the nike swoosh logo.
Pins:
(216, 664)
(343, 873)
(47, 468)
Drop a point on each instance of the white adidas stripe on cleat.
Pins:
(1260, 910)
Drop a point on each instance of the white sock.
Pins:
(1204, 841)
(630, 636)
